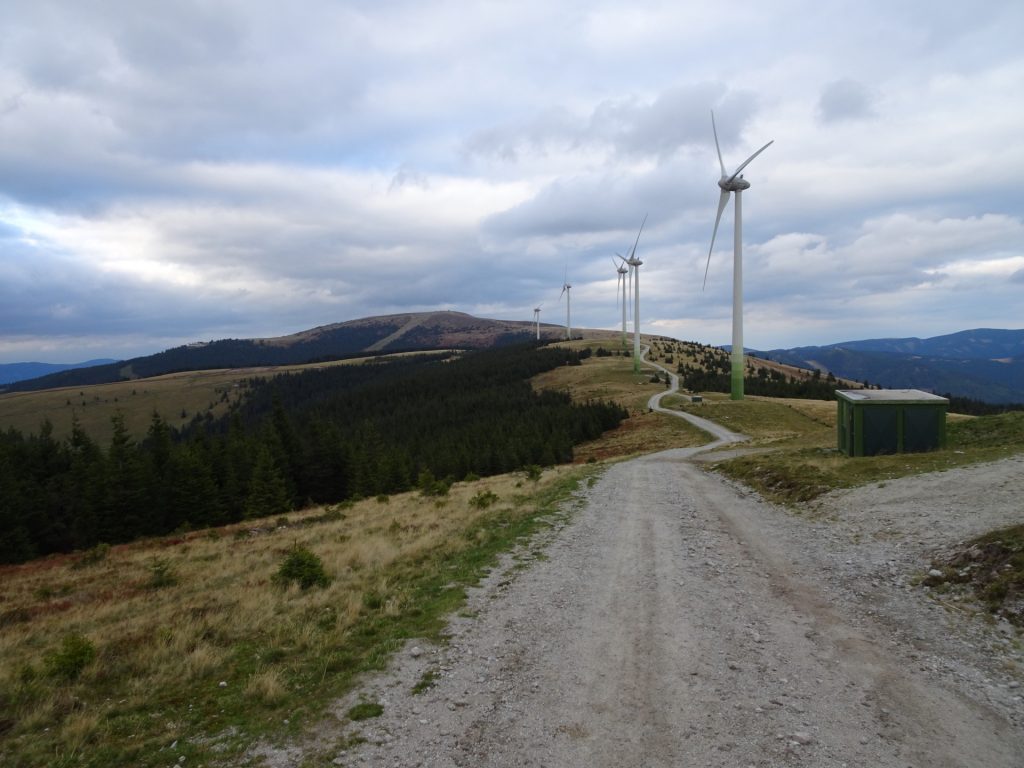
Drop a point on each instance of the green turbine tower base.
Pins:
(737, 379)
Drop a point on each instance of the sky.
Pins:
(197, 170)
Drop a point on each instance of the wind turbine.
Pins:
(634, 265)
(536, 319)
(566, 288)
(733, 183)
(620, 291)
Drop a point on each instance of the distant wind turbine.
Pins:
(620, 291)
(728, 184)
(536, 319)
(634, 264)
(566, 288)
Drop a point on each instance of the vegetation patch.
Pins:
(990, 566)
(427, 681)
(220, 662)
(364, 710)
(302, 567)
(806, 465)
(67, 662)
(483, 500)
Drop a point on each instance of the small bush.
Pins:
(383, 498)
(161, 575)
(483, 500)
(430, 486)
(75, 654)
(532, 472)
(303, 567)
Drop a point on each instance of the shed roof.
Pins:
(890, 396)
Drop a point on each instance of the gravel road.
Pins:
(675, 619)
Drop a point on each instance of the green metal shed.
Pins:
(874, 421)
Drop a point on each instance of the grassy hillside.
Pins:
(188, 647)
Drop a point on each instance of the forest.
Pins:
(319, 436)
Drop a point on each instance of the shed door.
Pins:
(880, 430)
(921, 428)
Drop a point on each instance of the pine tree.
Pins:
(268, 494)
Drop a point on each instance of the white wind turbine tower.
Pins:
(620, 292)
(728, 184)
(536, 319)
(566, 288)
(634, 265)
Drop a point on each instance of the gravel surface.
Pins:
(678, 620)
(675, 619)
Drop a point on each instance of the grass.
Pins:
(800, 462)
(222, 655)
(992, 567)
(612, 378)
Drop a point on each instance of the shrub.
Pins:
(303, 567)
(161, 575)
(483, 499)
(532, 472)
(430, 486)
(74, 655)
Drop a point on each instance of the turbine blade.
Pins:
(747, 161)
(717, 149)
(633, 253)
(723, 199)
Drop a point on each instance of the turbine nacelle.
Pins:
(734, 184)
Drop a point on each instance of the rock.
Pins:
(802, 737)
(222, 684)
(416, 652)
(935, 573)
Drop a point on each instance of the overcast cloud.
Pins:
(172, 172)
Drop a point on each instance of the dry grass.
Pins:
(161, 654)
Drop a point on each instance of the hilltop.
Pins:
(368, 335)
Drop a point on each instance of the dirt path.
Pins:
(676, 620)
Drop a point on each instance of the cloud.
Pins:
(193, 170)
(845, 99)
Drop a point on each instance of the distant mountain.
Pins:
(11, 372)
(389, 333)
(984, 364)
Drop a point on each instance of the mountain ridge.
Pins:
(982, 363)
(443, 329)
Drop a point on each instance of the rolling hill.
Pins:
(983, 364)
(389, 333)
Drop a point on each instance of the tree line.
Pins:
(713, 375)
(317, 436)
